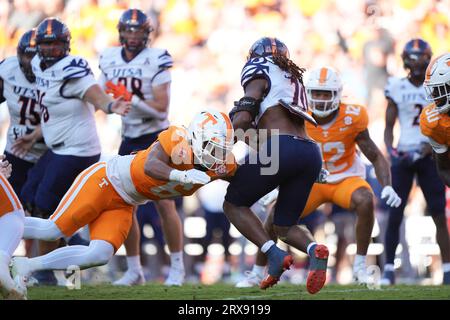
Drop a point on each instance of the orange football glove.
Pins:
(118, 90)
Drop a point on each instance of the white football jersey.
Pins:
(23, 109)
(410, 101)
(280, 84)
(68, 123)
(148, 69)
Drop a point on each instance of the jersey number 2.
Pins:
(419, 108)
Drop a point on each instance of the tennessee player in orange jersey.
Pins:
(103, 196)
(340, 128)
(435, 118)
(11, 229)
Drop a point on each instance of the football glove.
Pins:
(118, 90)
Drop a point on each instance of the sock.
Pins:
(134, 263)
(266, 246)
(310, 248)
(176, 260)
(42, 229)
(259, 270)
(360, 262)
(446, 267)
(97, 253)
(389, 267)
(11, 230)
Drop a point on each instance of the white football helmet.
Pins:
(324, 79)
(437, 82)
(212, 138)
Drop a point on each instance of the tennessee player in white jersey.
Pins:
(340, 128)
(11, 230)
(103, 196)
(67, 93)
(412, 158)
(141, 75)
(17, 87)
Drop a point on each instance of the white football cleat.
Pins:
(175, 278)
(251, 280)
(131, 278)
(9, 288)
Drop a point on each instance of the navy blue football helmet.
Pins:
(268, 47)
(53, 40)
(134, 30)
(416, 56)
(26, 49)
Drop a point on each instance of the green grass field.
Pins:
(228, 292)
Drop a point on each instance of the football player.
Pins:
(24, 145)
(103, 196)
(341, 127)
(141, 75)
(275, 101)
(413, 155)
(66, 92)
(11, 230)
(435, 124)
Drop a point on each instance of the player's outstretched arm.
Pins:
(157, 163)
(157, 166)
(96, 96)
(381, 165)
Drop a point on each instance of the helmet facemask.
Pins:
(440, 95)
(323, 102)
(211, 153)
(52, 51)
(416, 64)
(134, 39)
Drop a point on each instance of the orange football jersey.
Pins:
(337, 139)
(435, 125)
(175, 144)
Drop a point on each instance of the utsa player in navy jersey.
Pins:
(413, 155)
(66, 90)
(17, 82)
(141, 75)
(275, 100)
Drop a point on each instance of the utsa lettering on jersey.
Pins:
(340, 128)
(141, 75)
(66, 92)
(11, 230)
(169, 167)
(275, 100)
(23, 146)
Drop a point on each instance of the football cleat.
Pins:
(318, 269)
(278, 262)
(251, 280)
(175, 278)
(131, 278)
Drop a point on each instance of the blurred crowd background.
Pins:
(209, 41)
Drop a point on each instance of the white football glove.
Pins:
(192, 176)
(323, 176)
(393, 200)
(269, 198)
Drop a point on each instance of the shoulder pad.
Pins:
(76, 68)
